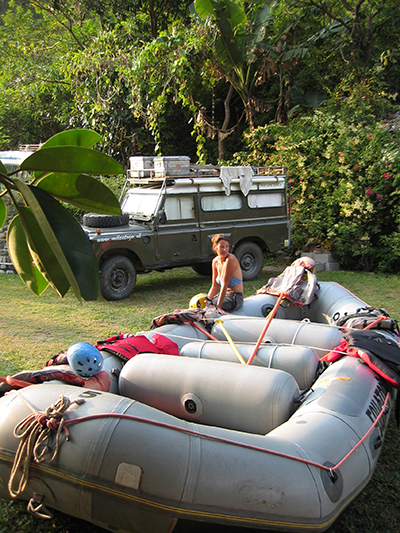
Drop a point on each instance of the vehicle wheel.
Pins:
(117, 278)
(251, 259)
(203, 269)
(93, 220)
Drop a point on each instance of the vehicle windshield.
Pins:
(141, 203)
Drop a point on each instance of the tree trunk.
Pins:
(153, 19)
(249, 114)
(222, 132)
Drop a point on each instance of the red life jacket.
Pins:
(126, 346)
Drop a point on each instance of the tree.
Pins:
(33, 95)
(46, 244)
(239, 44)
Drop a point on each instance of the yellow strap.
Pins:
(239, 355)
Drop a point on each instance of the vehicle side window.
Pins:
(221, 202)
(180, 208)
(275, 199)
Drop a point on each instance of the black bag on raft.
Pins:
(382, 355)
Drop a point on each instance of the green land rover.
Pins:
(171, 209)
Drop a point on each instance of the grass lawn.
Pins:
(33, 329)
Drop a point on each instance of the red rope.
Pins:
(383, 409)
(235, 443)
(196, 326)
(376, 322)
(41, 417)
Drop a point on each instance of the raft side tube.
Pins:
(333, 301)
(330, 302)
(260, 305)
(341, 409)
(301, 362)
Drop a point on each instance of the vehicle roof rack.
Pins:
(149, 176)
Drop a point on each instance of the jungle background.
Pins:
(309, 85)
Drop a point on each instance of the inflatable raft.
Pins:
(285, 443)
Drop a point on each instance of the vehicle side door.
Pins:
(178, 233)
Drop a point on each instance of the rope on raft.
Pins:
(36, 429)
(34, 433)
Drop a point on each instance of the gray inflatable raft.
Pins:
(282, 444)
(129, 467)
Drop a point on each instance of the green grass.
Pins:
(33, 329)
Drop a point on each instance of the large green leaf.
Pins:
(71, 159)
(310, 99)
(204, 8)
(234, 11)
(229, 17)
(3, 169)
(80, 137)
(82, 191)
(231, 53)
(86, 138)
(21, 257)
(3, 212)
(46, 250)
(263, 18)
(42, 253)
(74, 243)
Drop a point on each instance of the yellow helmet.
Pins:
(199, 301)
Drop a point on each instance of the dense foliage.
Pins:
(310, 85)
(344, 176)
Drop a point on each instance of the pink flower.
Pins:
(368, 191)
(290, 180)
(379, 196)
(356, 167)
(369, 137)
(386, 175)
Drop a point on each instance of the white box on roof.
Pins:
(172, 166)
(139, 162)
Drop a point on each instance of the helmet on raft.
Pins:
(84, 359)
(199, 301)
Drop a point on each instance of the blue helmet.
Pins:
(84, 359)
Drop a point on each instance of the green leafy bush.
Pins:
(343, 169)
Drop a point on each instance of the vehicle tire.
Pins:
(251, 259)
(117, 278)
(93, 220)
(203, 269)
